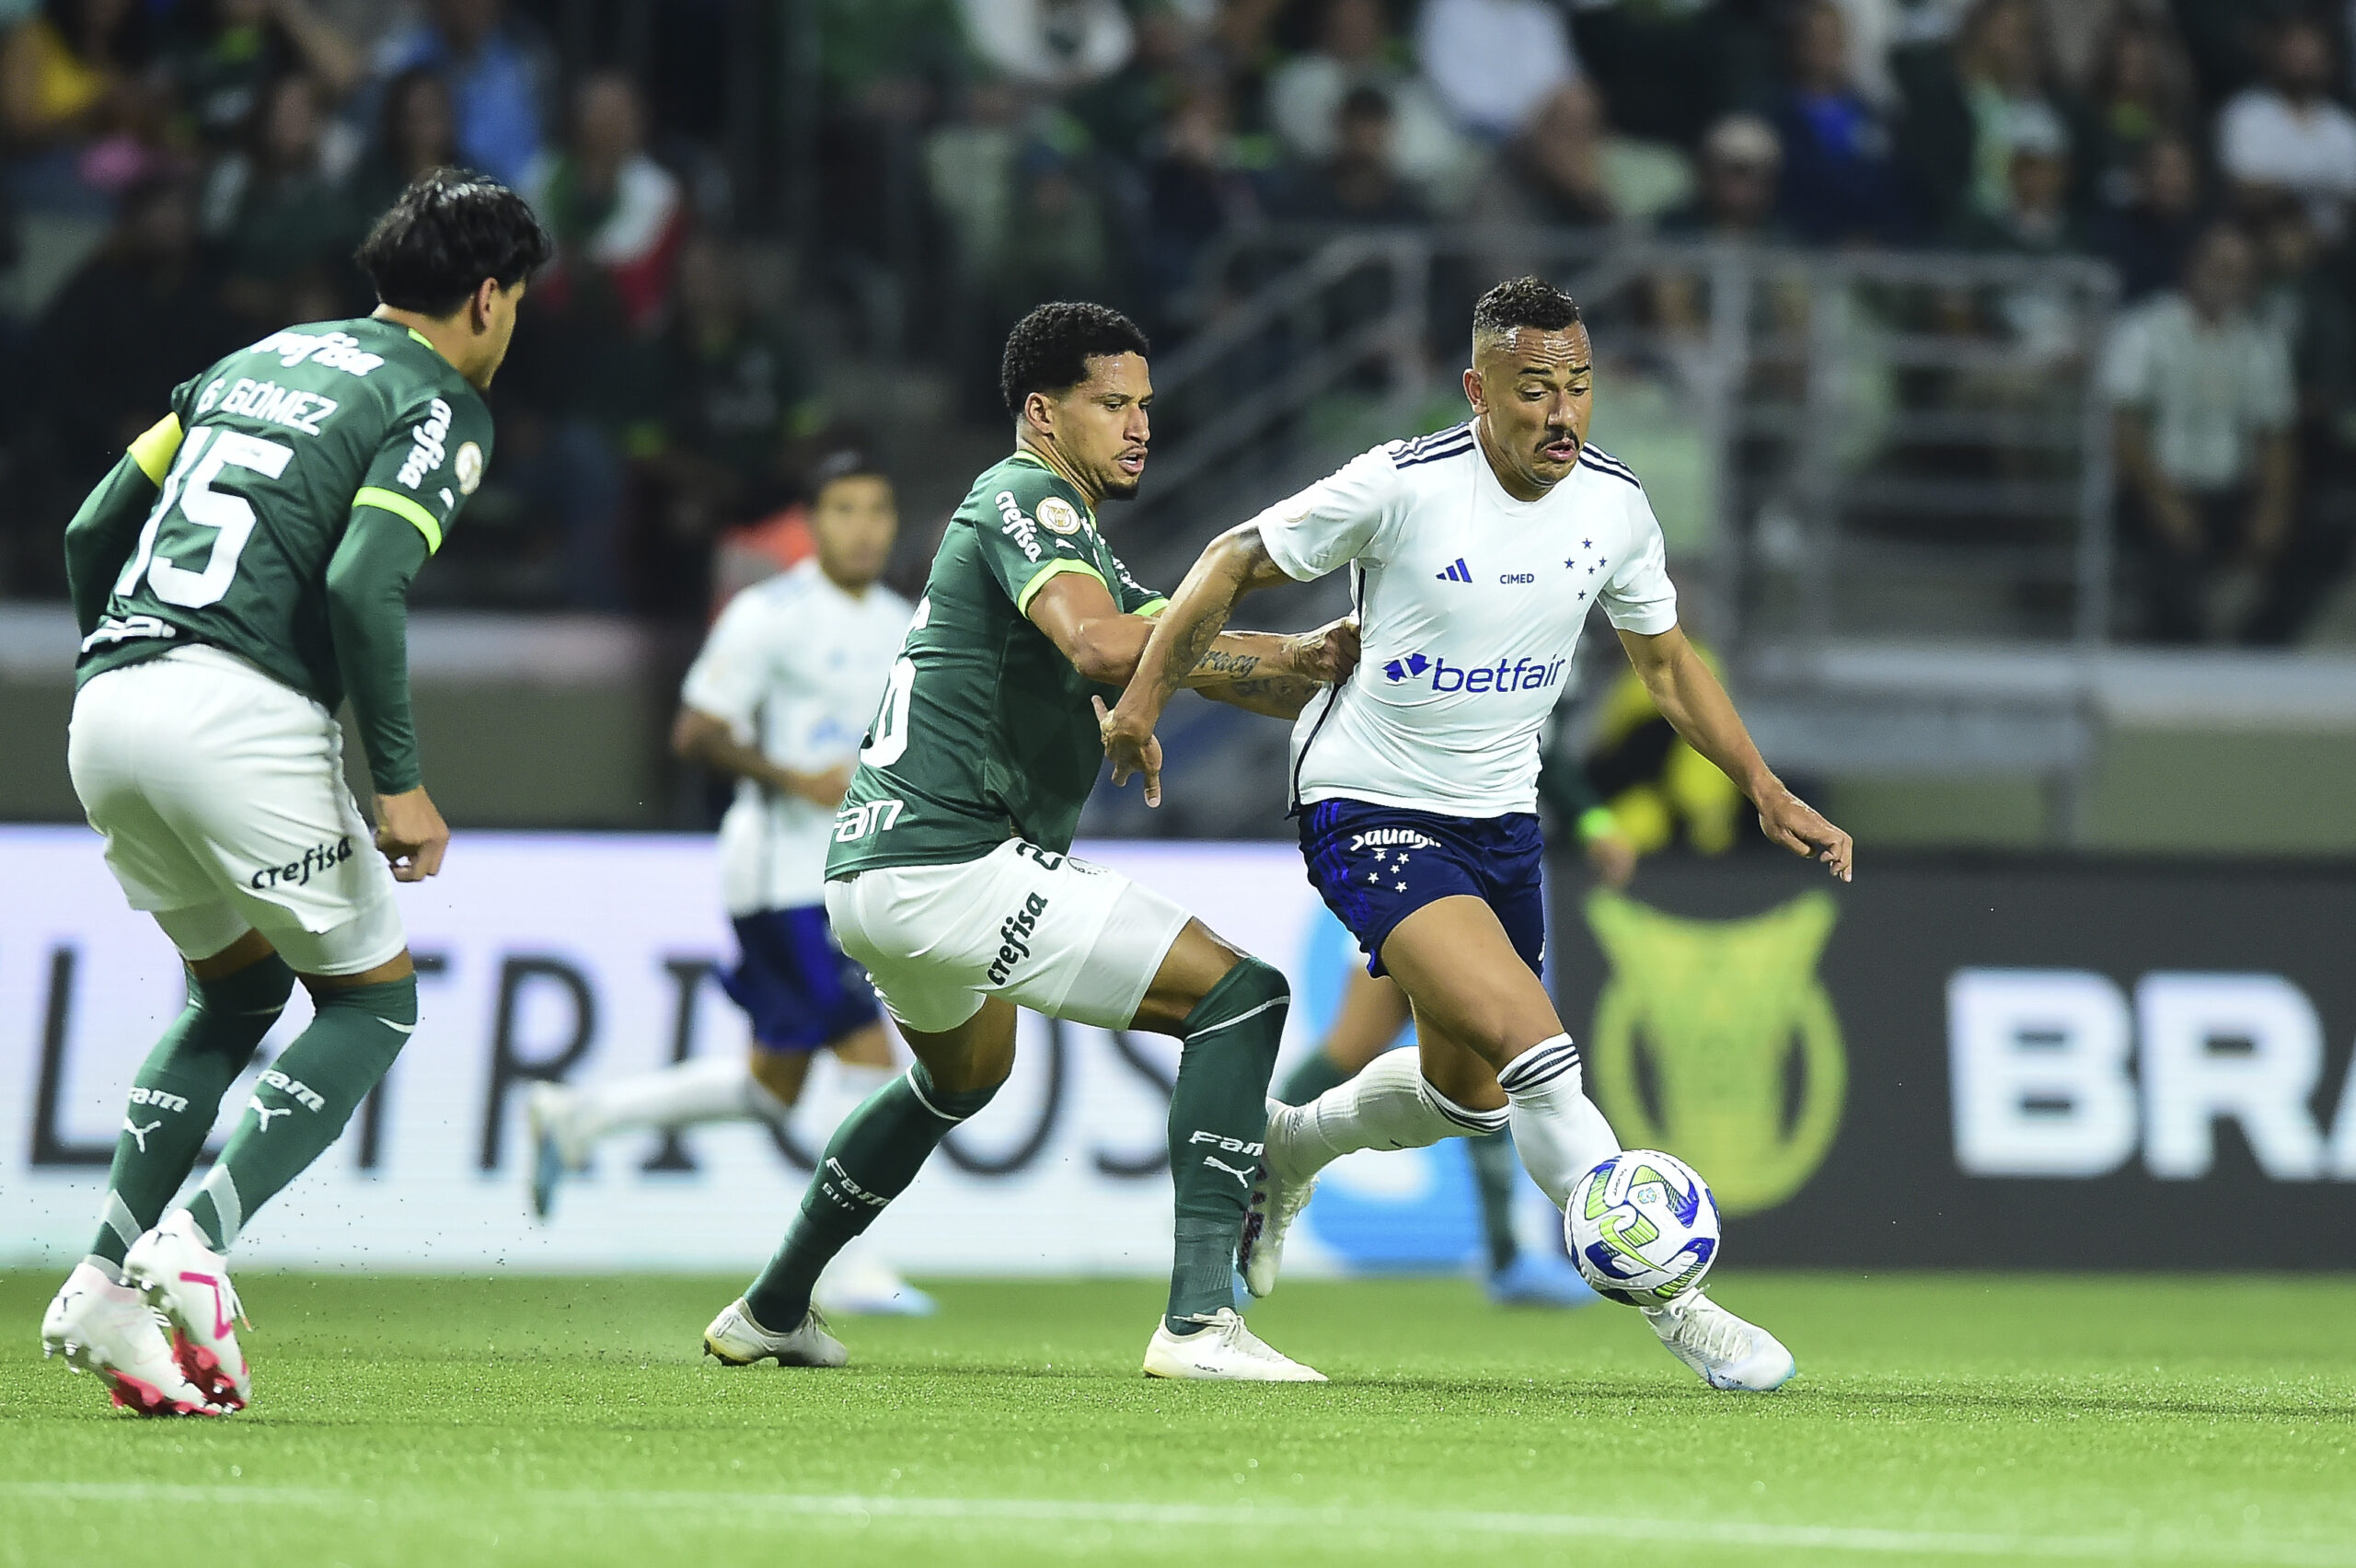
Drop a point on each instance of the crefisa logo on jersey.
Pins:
(1521, 674)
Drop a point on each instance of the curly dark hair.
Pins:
(450, 230)
(1049, 350)
(1524, 302)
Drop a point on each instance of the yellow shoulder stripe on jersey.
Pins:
(1152, 607)
(1054, 569)
(157, 446)
(401, 506)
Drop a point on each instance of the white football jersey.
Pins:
(796, 666)
(1470, 607)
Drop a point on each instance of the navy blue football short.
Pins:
(798, 987)
(1376, 865)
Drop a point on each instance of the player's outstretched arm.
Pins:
(707, 738)
(1697, 706)
(1236, 562)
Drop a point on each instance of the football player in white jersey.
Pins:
(1476, 555)
(779, 696)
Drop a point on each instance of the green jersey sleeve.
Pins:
(1136, 598)
(431, 460)
(1043, 531)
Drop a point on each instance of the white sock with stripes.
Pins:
(1389, 1105)
(1556, 1129)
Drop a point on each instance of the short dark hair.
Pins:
(844, 463)
(446, 233)
(1523, 302)
(1049, 350)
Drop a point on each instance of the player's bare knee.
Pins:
(780, 1072)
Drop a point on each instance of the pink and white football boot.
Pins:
(188, 1283)
(102, 1326)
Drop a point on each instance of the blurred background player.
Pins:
(779, 697)
(1374, 1014)
(303, 483)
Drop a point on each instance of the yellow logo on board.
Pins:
(1703, 1032)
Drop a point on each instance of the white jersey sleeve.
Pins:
(732, 674)
(1339, 519)
(1639, 597)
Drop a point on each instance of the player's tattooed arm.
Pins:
(1278, 697)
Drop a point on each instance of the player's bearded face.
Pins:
(1535, 390)
(1101, 429)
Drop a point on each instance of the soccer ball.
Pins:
(1642, 1226)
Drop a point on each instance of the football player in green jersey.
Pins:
(242, 571)
(951, 877)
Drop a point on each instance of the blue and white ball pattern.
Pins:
(1642, 1226)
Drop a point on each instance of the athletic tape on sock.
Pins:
(1539, 1065)
(226, 1204)
(119, 1218)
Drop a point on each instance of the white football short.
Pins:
(221, 794)
(1043, 930)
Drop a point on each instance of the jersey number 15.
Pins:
(206, 451)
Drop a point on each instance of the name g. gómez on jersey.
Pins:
(1471, 603)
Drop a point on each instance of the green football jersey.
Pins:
(985, 729)
(280, 443)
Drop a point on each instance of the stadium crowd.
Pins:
(180, 175)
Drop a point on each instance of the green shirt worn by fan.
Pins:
(986, 732)
(268, 465)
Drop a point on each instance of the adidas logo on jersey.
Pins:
(1457, 573)
(1522, 675)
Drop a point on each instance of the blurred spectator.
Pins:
(1839, 183)
(1495, 63)
(1355, 50)
(1741, 162)
(1667, 67)
(2036, 220)
(1200, 187)
(2287, 135)
(283, 229)
(123, 331)
(2149, 239)
(1057, 244)
(736, 392)
(78, 121)
(2302, 302)
(2204, 406)
(616, 214)
(1360, 183)
(500, 72)
(1125, 110)
(1966, 104)
(1055, 44)
(416, 131)
(1551, 173)
(2141, 89)
(234, 48)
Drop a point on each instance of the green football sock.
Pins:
(1218, 1118)
(1495, 1169)
(303, 1101)
(1317, 1073)
(177, 1093)
(871, 1159)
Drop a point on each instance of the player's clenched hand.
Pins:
(410, 835)
(1328, 654)
(1133, 748)
(1791, 822)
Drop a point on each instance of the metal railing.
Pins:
(1843, 448)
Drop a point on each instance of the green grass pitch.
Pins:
(436, 1422)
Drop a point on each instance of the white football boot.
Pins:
(1223, 1350)
(552, 1113)
(735, 1340)
(102, 1326)
(858, 1283)
(1727, 1353)
(187, 1282)
(1277, 1200)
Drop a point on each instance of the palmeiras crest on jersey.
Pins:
(1715, 1040)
